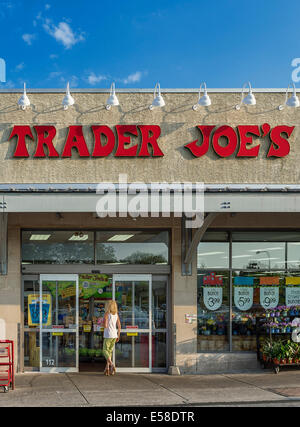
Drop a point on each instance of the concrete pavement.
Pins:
(95, 389)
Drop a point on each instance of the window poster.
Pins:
(243, 292)
(212, 291)
(34, 309)
(269, 291)
(292, 291)
(95, 285)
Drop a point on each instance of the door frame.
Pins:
(137, 277)
(71, 277)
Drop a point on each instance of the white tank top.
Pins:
(111, 330)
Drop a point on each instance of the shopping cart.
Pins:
(7, 378)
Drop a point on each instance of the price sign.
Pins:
(243, 297)
(212, 297)
(292, 296)
(269, 297)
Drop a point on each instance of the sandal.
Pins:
(112, 369)
(106, 372)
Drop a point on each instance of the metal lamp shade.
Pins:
(24, 100)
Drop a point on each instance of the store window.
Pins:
(90, 247)
(293, 255)
(263, 279)
(258, 255)
(213, 311)
(57, 247)
(132, 247)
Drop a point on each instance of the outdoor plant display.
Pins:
(281, 352)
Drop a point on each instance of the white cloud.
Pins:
(47, 6)
(28, 38)
(63, 33)
(54, 74)
(94, 79)
(20, 66)
(133, 78)
(53, 56)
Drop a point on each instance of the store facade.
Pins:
(188, 297)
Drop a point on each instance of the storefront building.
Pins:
(189, 298)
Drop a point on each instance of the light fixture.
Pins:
(68, 100)
(247, 100)
(39, 236)
(120, 237)
(204, 100)
(24, 100)
(293, 101)
(158, 100)
(79, 237)
(112, 101)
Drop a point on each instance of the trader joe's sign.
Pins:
(143, 141)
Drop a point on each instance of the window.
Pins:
(213, 311)
(57, 247)
(213, 255)
(132, 247)
(258, 255)
(90, 247)
(259, 278)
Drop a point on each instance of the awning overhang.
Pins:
(84, 198)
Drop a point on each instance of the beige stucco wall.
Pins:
(177, 121)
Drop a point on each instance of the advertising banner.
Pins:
(212, 291)
(269, 292)
(243, 292)
(95, 285)
(34, 310)
(292, 291)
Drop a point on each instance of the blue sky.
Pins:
(136, 43)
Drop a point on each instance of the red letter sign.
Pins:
(122, 140)
(75, 139)
(283, 146)
(231, 136)
(21, 132)
(99, 149)
(45, 139)
(150, 139)
(200, 150)
(244, 140)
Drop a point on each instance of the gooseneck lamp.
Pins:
(247, 100)
(112, 100)
(204, 100)
(24, 100)
(292, 101)
(68, 100)
(158, 100)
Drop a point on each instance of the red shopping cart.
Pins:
(7, 378)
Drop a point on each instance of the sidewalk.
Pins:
(94, 389)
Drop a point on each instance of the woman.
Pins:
(112, 329)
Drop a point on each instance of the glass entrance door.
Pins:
(133, 294)
(58, 319)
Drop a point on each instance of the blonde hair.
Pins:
(112, 307)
